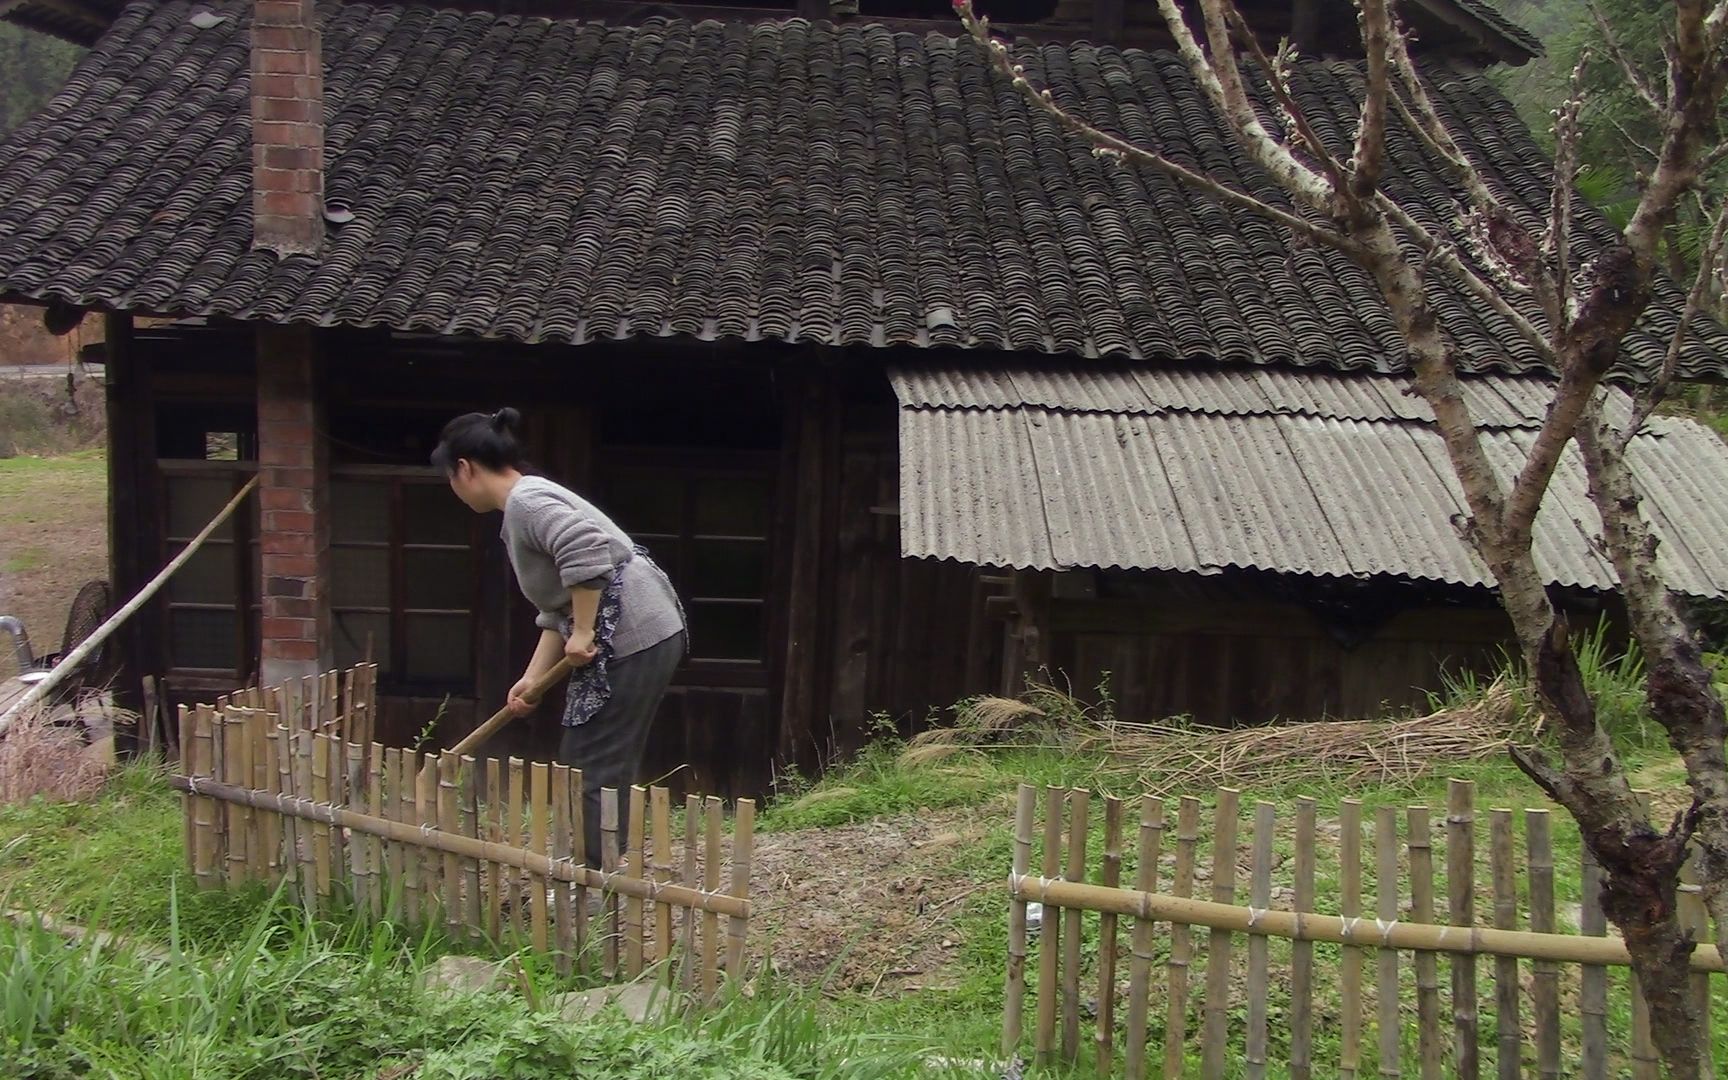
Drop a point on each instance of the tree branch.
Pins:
(1106, 144)
(1369, 157)
(1709, 269)
(1640, 85)
(1556, 244)
(1275, 78)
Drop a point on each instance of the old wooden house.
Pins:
(908, 391)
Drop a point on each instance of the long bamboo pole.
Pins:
(439, 841)
(1335, 930)
(90, 644)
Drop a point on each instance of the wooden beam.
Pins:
(134, 518)
(815, 466)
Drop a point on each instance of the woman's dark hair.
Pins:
(487, 439)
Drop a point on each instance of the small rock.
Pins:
(637, 1001)
(464, 975)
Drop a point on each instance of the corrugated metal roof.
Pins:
(1498, 401)
(1296, 481)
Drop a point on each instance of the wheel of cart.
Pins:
(90, 608)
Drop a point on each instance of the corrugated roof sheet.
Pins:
(1324, 479)
(796, 182)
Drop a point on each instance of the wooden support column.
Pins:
(293, 492)
(134, 520)
(812, 432)
(1029, 649)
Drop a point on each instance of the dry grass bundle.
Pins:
(1176, 756)
(40, 756)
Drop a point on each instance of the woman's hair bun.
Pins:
(506, 419)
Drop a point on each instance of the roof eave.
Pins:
(69, 20)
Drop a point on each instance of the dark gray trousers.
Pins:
(609, 747)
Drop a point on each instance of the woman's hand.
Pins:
(517, 699)
(580, 649)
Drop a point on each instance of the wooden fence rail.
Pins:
(1400, 994)
(285, 786)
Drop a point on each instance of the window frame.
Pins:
(243, 544)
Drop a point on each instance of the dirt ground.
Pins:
(859, 907)
(53, 538)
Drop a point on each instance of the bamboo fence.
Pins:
(1560, 1003)
(287, 786)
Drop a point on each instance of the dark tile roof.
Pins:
(1490, 16)
(795, 182)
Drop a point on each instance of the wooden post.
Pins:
(1593, 980)
(1076, 871)
(1430, 1046)
(1014, 982)
(660, 807)
(1506, 990)
(633, 921)
(1181, 940)
(1350, 907)
(1302, 952)
(1259, 975)
(1386, 910)
(1140, 964)
(1215, 1046)
(711, 884)
(1545, 994)
(1050, 934)
(539, 827)
(1461, 909)
(563, 847)
(743, 855)
(1112, 877)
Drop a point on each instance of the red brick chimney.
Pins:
(287, 127)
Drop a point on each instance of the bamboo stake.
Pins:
(1078, 802)
(303, 751)
(58, 674)
(1406, 936)
(1506, 1020)
(660, 807)
(1181, 939)
(1215, 1042)
(711, 884)
(473, 904)
(188, 816)
(633, 922)
(236, 769)
(1112, 877)
(539, 822)
(1693, 916)
(692, 837)
(1545, 994)
(374, 846)
(267, 828)
(563, 846)
(1259, 979)
(1140, 963)
(1014, 982)
(515, 835)
(1350, 906)
(356, 796)
(579, 854)
(334, 745)
(1593, 981)
(1302, 952)
(393, 773)
(320, 747)
(1461, 906)
(204, 810)
(408, 808)
(743, 855)
(609, 863)
(495, 833)
(449, 821)
(1050, 932)
(1430, 1042)
(1386, 911)
(439, 841)
(292, 838)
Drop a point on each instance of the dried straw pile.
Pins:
(39, 756)
(1173, 757)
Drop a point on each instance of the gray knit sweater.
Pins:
(558, 540)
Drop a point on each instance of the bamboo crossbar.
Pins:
(429, 838)
(1332, 929)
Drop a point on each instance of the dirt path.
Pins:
(53, 538)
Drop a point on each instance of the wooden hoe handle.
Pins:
(538, 690)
